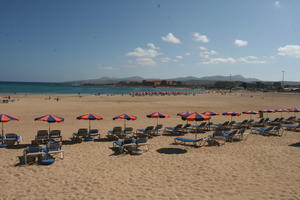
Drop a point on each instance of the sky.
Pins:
(65, 40)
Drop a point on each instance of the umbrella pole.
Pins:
(157, 122)
(124, 123)
(89, 125)
(2, 132)
(49, 132)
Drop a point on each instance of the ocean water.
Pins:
(64, 88)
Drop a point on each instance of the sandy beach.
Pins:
(259, 168)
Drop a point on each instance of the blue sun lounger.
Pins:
(195, 142)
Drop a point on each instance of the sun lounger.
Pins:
(194, 142)
(201, 128)
(267, 131)
(295, 127)
(174, 130)
(238, 125)
(42, 136)
(116, 133)
(81, 134)
(55, 135)
(289, 120)
(12, 139)
(128, 131)
(126, 145)
(142, 141)
(221, 126)
(157, 129)
(94, 133)
(54, 147)
(240, 135)
(145, 131)
(31, 154)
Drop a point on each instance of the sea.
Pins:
(68, 88)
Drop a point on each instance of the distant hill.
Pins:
(186, 80)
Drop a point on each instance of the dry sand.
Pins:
(259, 168)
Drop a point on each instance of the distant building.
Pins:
(161, 83)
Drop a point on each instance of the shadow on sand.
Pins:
(295, 144)
(171, 151)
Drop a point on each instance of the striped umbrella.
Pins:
(157, 115)
(281, 110)
(251, 112)
(294, 110)
(195, 117)
(210, 113)
(183, 113)
(231, 114)
(267, 111)
(125, 117)
(89, 117)
(6, 118)
(50, 119)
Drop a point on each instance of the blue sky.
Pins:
(63, 40)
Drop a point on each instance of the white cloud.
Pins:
(179, 57)
(200, 38)
(140, 52)
(251, 60)
(241, 43)
(171, 38)
(165, 60)
(219, 60)
(203, 48)
(206, 53)
(152, 46)
(145, 56)
(277, 4)
(187, 54)
(145, 61)
(289, 50)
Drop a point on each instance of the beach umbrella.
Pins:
(251, 112)
(50, 119)
(157, 115)
(231, 114)
(294, 110)
(267, 111)
(281, 110)
(183, 113)
(195, 117)
(210, 113)
(6, 118)
(125, 117)
(89, 117)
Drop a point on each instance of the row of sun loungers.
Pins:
(132, 144)
(10, 139)
(217, 138)
(42, 155)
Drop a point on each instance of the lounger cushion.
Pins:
(187, 139)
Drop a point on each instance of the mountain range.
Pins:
(187, 79)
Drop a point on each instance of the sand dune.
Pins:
(259, 168)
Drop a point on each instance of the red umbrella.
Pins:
(125, 117)
(281, 110)
(251, 112)
(195, 117)
(157, 115)
(232, 114)
(267, 111)
(6, 118)
(294, 110)
(50, 119)
(183, 113)
(89, 117)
